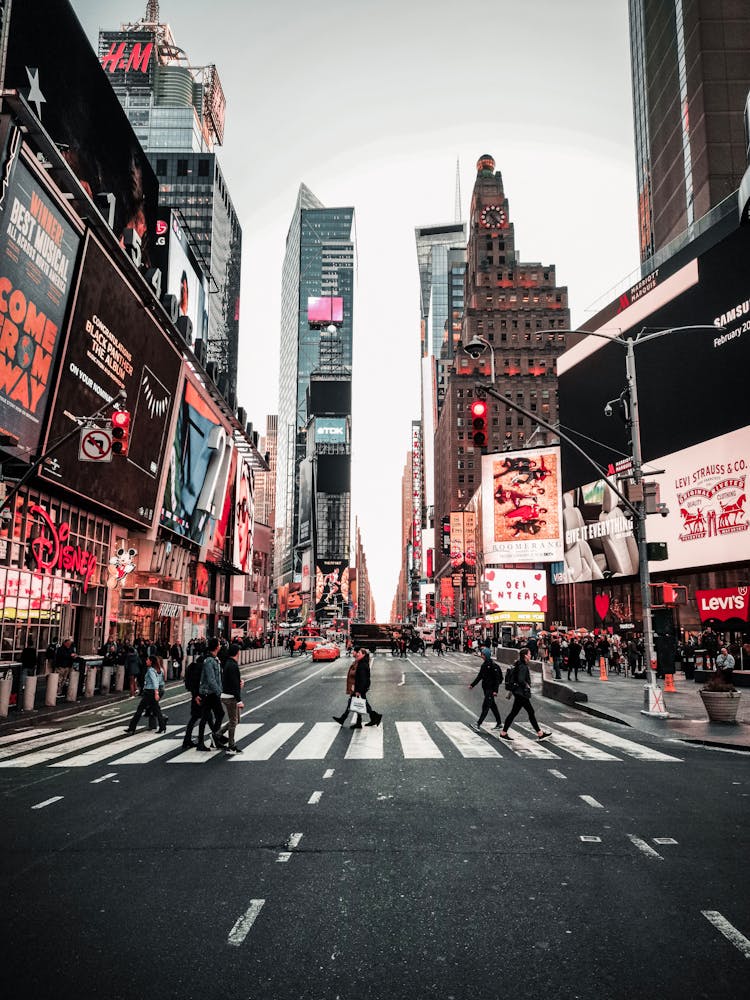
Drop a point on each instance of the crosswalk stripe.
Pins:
(468, 743)
(618, 743)
(317, 743)
(52, 737)
(577, 748)
(266, 745)
(523, 747)
(366, 744)
(24, 734)
(416, 743)
(50, 753)
(200, 757)
(98, 754)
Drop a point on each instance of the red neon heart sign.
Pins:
(601, 603)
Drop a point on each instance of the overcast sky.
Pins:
(371, 105)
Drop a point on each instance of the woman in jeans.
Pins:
(231, 694)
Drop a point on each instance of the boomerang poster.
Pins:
(522, 507)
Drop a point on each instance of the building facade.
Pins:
(691, 76)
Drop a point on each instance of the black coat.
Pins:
(362, 676)
(231, 682)
(491, 676)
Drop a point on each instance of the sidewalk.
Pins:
(621, 700)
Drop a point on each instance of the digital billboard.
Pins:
(331, 397)
(38, 247)
(514, 595)
(128, 57)
(181, 273)
(222, 532)
(521, 506)
(50, 61)
(331, 588)
(113, 343)
(199, 462)
(330, 430)
(244, 518)
(598, 536)
(692, 384)
(323, 309)
(305, 501)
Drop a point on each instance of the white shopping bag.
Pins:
(358, 705)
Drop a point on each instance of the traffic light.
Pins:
(479, 423)
(120, 432)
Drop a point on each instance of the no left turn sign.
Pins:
(95, 445)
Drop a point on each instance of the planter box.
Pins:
(721, 706)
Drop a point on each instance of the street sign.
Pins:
(95, 444)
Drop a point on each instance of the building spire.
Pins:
(152, 11)
(457, 208)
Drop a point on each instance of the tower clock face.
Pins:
(492, 217)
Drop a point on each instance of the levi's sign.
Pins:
(731, 602)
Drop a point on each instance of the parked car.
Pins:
(326, 651)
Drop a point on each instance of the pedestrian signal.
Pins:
(120, 432)
(479, 423)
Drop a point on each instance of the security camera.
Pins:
(608, 411)
(474, 350)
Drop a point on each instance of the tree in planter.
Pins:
(720, 697)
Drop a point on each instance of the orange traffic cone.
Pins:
(669, 687)
(603, 669)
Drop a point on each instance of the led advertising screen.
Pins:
(128, 57)
(181, 274)
(222, 534)
(330, 430)
(244, 518)
(518, 595)
(331, 397)
(692, 384)
(50, 61)
(113, 343)
(324, 309)
(199, 463)
(331, 588)
(38, 248)
(521, 506)
(305, 501)
(598, 535)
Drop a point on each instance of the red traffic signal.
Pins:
(120, 432)
(479, 434)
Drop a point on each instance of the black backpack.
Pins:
(193, 675)
(511, 677)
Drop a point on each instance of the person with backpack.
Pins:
(209, 693)
(518, 684)
(192, 684)
(491, 675)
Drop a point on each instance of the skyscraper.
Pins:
(177, 112)
(691, 75)
(434, 244)
(315, 381)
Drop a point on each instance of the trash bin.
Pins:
(700, 659)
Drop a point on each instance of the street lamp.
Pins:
(652, 693)
(476, 347)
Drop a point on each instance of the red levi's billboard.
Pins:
(724, 605)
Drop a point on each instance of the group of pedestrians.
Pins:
(518, 686)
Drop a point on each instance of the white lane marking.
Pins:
(284, 856)
(114, 749)
(104, 777)
(460, 704)
(644, 848)
(250, 690)
(241, 929)
(730, 932)
(200, 756)
(468, 743)
(266, 745)
(50, 754)
(558, 774)
(402, 681)
(589, 800)
(664, 840)
(47, 802)
(315, 798)
(366, 744)
(591, 840)
(24, 734)
(618, 743)
(293, 841)
(416, 743)
(308, 677)
(521, 746)
(317, 743)
(576, 748)
(329, 773)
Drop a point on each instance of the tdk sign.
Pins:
(331, 431)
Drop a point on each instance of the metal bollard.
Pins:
(6, 685)
(50, 697)
(74, 679)
(29, 693)
(120, 677)
(106, 682)
(89, 681)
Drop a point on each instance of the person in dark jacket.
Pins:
(555, 652)
(192, 684)
(178, 655)
(209, 692)
(132, 669)
(63, 662)
(361, 687)
(29, 658)
(231, 694)
(491, 675)
(521, 691)
(574, 656)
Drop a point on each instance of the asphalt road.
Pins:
(414, 860)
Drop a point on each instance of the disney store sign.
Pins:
(51, 549)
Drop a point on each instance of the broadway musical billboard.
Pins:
(38, 247)
(113, 343)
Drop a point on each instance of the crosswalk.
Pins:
(300, 741)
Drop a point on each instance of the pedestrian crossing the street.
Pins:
(299, 741)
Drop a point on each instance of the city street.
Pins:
(415, 859)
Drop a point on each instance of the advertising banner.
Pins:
(521, 506)
(38, 248)
(199, 463)
(457, 539)
(331, 588)
(305, 501)
(50, 61)
(181, 273)
(445, 602)
(598, 536)
(244, 518)
(306, 583)
(514, 594)
(324, 309)
(724, 604)
(113, 343)
(330, 430)
(216, 549)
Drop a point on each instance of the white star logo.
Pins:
(35, 95)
